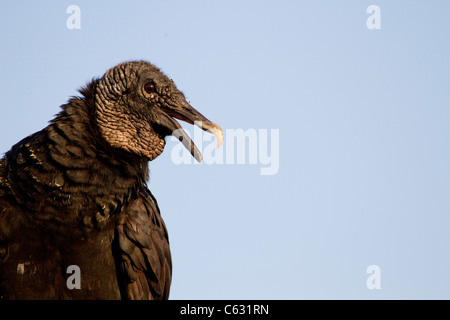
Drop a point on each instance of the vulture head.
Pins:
(136, 106)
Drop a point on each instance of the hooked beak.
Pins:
(187, 113)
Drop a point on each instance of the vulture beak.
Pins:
(185, 112)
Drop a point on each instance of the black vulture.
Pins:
(74, 199)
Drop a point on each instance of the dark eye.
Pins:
(149, 87)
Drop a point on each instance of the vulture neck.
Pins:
(78, 121)
(77, 179)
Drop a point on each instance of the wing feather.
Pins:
(142, 250)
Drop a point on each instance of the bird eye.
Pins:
(149, 87)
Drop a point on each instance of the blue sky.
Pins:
(363, 120)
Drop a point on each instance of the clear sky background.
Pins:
(364, 129)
